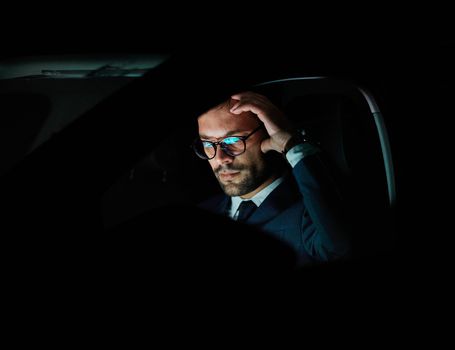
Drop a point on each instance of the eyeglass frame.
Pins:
(215, 144)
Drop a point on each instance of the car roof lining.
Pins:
(80, 66)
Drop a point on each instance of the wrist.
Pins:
(296, 139)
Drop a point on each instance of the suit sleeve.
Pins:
(325, 228)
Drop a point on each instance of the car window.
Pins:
(40, 96)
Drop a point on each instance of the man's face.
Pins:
(243, 174)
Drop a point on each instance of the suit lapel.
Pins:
(276, 202)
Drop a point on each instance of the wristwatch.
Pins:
(295, 140)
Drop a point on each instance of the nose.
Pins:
(222, 158)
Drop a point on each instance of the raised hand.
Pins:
(275, 122)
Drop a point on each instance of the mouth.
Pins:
(228, 175)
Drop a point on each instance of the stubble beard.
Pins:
(246, 184)
(249, 179)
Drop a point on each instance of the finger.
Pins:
(240, 95)
(266, 145)
(258, 100)
(234, 106)
(248, 107)
(237, 96)
(245, 99)
(249, 94)
(249, 104)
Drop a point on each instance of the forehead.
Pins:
(219, 121)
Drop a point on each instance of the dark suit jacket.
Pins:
(305, 211)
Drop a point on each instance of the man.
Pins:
(242, 139)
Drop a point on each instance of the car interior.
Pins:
(101, 237)
(41, 95)
(338, 115)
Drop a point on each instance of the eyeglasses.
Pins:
(231, 145)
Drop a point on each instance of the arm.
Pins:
(326, 237)
(324, 230)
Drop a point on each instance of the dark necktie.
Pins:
(246, 208)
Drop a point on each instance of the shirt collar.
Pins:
(258, 198)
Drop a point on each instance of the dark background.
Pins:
(413, 71)
(402, 60)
